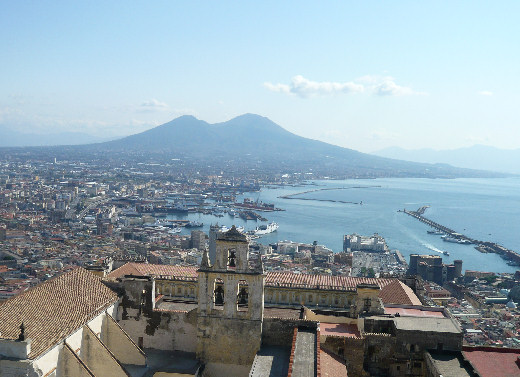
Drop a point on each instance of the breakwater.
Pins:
(297, 195)
(482, 246)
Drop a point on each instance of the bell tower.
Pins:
(231, 303)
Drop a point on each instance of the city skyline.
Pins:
(437, 75)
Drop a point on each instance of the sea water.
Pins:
(483, 209)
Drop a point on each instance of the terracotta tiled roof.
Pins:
(392, 290)
(53, 310)
(340, 330)
(145, 269)
(332, 365)
(398, 293)
(493, 362)
(323, 281)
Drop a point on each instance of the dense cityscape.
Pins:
(57, 215)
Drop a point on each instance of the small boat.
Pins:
(174, 230)
(446, 253)
(194, 224)
(435, 232)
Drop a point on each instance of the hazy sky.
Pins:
(364, 74)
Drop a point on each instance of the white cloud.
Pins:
(485, 93)
(386, 86)
(377, 85)
(303, 87)
(152, 105)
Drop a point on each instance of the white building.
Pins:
(355, 242)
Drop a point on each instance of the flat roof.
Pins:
(422, 324)
(451, 364)
(272, 361)
(414, 312)
(286, 313)
(426, 324)
(177, 305)
(339, 329)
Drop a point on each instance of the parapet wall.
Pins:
(279, 332)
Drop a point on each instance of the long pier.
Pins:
(482, 246)
(293, 196)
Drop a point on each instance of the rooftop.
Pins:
(339, 329)
(451, 364)
(392, 291)
(332, 365)
(53, 310)
(414, 312)
(493, 362)
(272, 361)
(425, 324)
(146, 269)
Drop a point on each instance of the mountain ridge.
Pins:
(474, 157)
(251, 143)
(254, 140)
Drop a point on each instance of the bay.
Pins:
(484, 209)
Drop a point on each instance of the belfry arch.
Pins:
(231, 301)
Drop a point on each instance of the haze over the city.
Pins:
(366, 76)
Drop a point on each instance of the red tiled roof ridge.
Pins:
(36, 286)
(324, 280)
(146, 269)
(392, 289)
(490, 349)
(54, 309)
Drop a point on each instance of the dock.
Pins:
(419, 216)
(482, 246)
(295, 195)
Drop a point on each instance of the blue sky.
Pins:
(364, 75)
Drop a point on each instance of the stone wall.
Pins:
(279, 332)
(98, 358)
(70, 365)
(121, 345)
(161, 329)
(352, 350)
(228, 340)
(425, 340)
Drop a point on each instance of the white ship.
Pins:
(448, 238)
(266, 229)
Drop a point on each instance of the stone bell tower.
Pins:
(231, 303)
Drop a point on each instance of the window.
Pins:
(218, 294)
(231, 263)
(243, 295)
